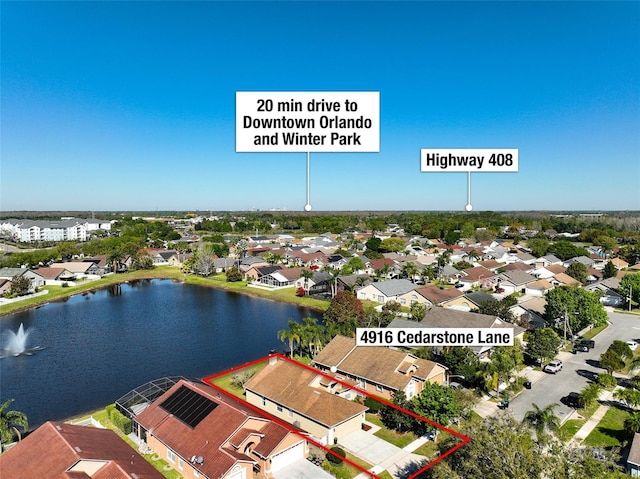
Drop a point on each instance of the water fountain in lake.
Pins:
(17, 344)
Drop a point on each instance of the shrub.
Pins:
(301, 292)
(119, 420)
(606, 380)
(335, 459)
(65, 285)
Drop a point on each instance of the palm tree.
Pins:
(629, 396)
(292, 335)
(307, 274)
(542, 420)
(10, 421)
(632, 423)
(410, 270)
(311, 334)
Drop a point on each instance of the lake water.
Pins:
(100, 345)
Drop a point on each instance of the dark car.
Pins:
(590, 343)
(572, 400)
(580, 348)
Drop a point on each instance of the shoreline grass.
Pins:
(165, 273)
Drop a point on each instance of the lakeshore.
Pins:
(218, 281)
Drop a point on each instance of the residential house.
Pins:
(514, 281)
(81, 269)
(530, 313)
(56, 276)
(221, 265)
(547, 260)
(299, 396)
(563, 279)
(319, 283)
(633, 460)
(203, 433)
(454, 318)
(619, 263)
(385, 291)
(378, 370)
(538, 288)
(5, 285)
(475, 277)
(282, 278)
(608, 289)
(36, 279)
(63, 451)
(383, 264)
(518, 266)
(351, 282)
(255, 272)
(588, 262)
(430, 296)
(491, 264)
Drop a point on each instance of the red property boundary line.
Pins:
(209, 381)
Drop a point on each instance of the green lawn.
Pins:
(226, 382)
(610, 430)
(570, 428)
(593, 332)
(345, 470)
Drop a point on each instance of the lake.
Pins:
(102, 344)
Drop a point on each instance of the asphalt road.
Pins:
(578, 369)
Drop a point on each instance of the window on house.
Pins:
(180, 464)
(171, 456)
(195, 473)
(403, 301)
(279, 408)
(290, 413)
(378, 388)
(380, 299)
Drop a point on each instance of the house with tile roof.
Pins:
(514, 281)
(430, 296)
(306, 399)
(63, 451)
(384, 291)
(378, 370)
(454, 318)
(201, 432)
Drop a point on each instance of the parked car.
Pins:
(580, 348)
(590, 343)
(499, 290)
(553, 367)
(572, 400)
(632, 345)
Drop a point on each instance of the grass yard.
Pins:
(610, 430)
(229, 383)
(345, 470)
(593, 332)
(570, 428)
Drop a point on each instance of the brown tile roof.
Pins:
(555, 268)
(379, 263)
(491, 264)
(287, 384)
(50, 273)
(291, 273)
(476, 273)
(55, 447)
(437, 295)
(540, 284)
(273, 435)
(376, 364)
(517, 267)
(207, 438)
(565, 279)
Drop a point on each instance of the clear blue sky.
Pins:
(131, 106)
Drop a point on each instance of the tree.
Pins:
(610, 270)
(542, 420)
(611, 361)
(542, 343)
(578, 271)
(502, 363)
(461, 361)
(538, 246)
(582, 308)
(141, 260)
(566, 250)
(632, 423)
(66, 250)
(356, 264)
(20, 285)
(233, 275)
(589, 394)
(395, 419)
(451, 237)
(630, 396)
(373, 244)
(418, 310)
(621, 348)
(291, 335)
(391, 245)
(311, 334)
(630, 283)
(501, 308)
(388, 312)
(435, 402)
(344, 314)
(205, 260)
(410, 270)
(307, 274)
(11, 422)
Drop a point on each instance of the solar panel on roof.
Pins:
(188, 406)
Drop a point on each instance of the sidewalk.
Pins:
(593, 421)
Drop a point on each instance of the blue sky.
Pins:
(131, 106)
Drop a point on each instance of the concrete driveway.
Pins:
(381, 454)
(302, 469)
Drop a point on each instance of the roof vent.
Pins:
(199, 460)
(77, 449)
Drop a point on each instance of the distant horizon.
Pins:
(124, 106)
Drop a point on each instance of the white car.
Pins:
(553, 367)
(632, 344)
